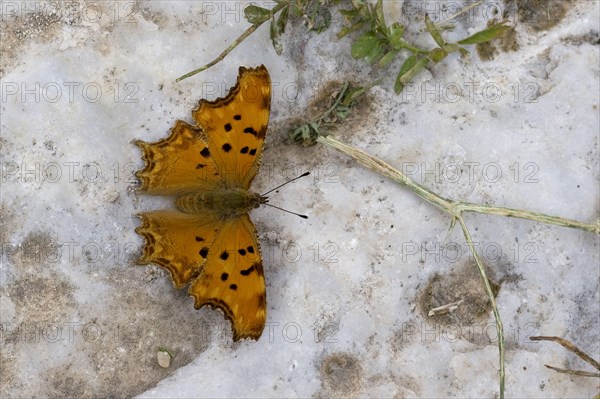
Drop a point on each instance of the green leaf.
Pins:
(363, 45)
(352, 94)
(321, 21)
(305, 134)
(411, 67)
(387, 58)
(348, 29)
(434, 31)
(256, 15)
(398, 85)
(282, 19)
(437, 54)
(395, 36)
(342, 111)
(379, 15)
(412, 72)
(314, 127)
(408, 64)
(297, 8)
(276, 37)
(278, 28)
(375, 53)
(349, 13)
(486, 35)
(345, 30)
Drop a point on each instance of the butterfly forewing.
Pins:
(177, 164)
(236, 126)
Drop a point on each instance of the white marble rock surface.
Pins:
(347, 287)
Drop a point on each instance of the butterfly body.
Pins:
(226, 204)
(209, 242)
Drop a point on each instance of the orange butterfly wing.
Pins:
(177, 241)
(223, 150)
(224, 264)
(175, 165)
(237, 124)
(233, 280)
(219, 256)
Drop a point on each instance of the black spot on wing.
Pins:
(227, 127)
(253, 151)
(226, 147)
(244, 150)
(224, 277)
(205, 152)
(224, 255)
(237, 117)
(204, 252)
(250, 130)
(233, 287)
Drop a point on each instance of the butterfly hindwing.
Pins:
(232, 279)
(236, 125)
(177, 241)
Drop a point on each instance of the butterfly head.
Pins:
(256, 200)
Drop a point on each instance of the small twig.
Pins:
(571, 347)
(387, 170)
(448, 308)
(579, 373)
(465, 9)
(490, 292)
(522, 214)
(233, 45)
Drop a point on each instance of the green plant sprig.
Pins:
(307, 133)
(379, 44)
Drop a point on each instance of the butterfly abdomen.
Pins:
(225, 203)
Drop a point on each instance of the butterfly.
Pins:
(209, 242)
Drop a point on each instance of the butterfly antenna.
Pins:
(281, 185)
(289, 181)
(285, 210)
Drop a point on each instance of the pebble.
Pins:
(164, 359)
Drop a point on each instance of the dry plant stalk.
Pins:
(572, 348)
